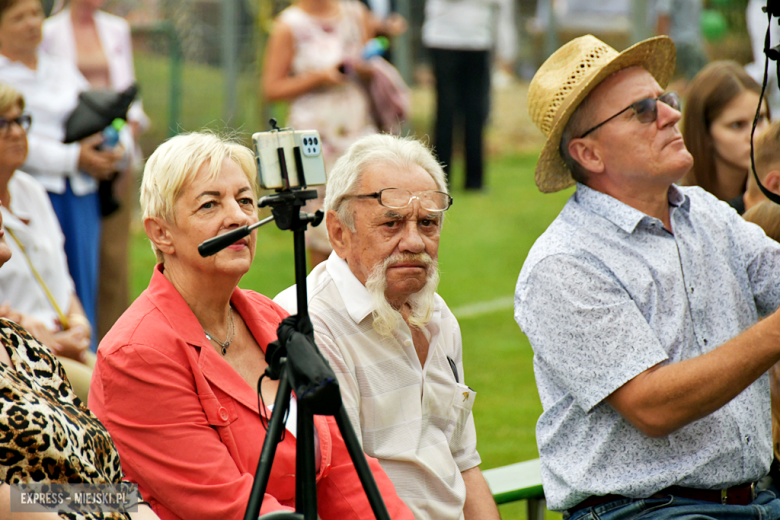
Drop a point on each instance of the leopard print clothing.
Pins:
(46, 433)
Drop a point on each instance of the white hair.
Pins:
(401, 152)
(176, 162)
(387, 318)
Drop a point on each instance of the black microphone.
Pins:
(220, 242)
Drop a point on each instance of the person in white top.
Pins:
(36, 289)
(460, 37)
(69, 172)
(100, 45)
(392, 341)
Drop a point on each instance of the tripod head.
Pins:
(311, 377)
(286, 208)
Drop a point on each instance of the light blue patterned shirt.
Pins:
(606, 293)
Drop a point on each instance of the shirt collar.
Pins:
(13, 221)
(6, 62)
(622, 215)
(356, 297)
(678, 199)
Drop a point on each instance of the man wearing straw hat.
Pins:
(642, 302)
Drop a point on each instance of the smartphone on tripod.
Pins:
(289, 158)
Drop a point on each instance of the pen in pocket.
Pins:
(454, 369)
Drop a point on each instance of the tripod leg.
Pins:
(272, 437)
(305, 468)
(361, 466)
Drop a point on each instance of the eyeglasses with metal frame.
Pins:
(646, 110)
(399, 198)
(23, 121)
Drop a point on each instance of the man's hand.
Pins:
(664, 398)
(479, 500)
(100, 164)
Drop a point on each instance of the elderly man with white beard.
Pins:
(392, 341)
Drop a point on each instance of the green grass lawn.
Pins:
(485, 240)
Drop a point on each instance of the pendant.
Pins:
(224, 351)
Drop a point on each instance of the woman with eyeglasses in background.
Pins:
(36, 289)
(69, 172)
(717, 120)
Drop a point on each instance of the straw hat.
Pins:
(568, 76)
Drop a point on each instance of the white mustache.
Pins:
(405, 258)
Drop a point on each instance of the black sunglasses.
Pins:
(646, 110)
(23, 121)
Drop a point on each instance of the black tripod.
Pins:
(297, 363)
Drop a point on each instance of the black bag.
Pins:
(96, 110)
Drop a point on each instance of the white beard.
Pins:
(386, 318)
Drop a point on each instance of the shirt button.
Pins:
(223, 414)
(691, 290)
(408, 343)
(705, 341)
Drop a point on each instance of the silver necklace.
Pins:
(231, 332)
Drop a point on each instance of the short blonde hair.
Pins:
(9, 98)
(176, 162)
(767, 149)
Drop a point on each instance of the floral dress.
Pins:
(47, 435)
(342, 113)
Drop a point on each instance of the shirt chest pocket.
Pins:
(221, 414)
(450, 404)
(462, 404)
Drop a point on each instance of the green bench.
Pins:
(521, 481)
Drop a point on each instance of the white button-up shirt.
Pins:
(32, 220)
(416, 419)
(50, 93)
